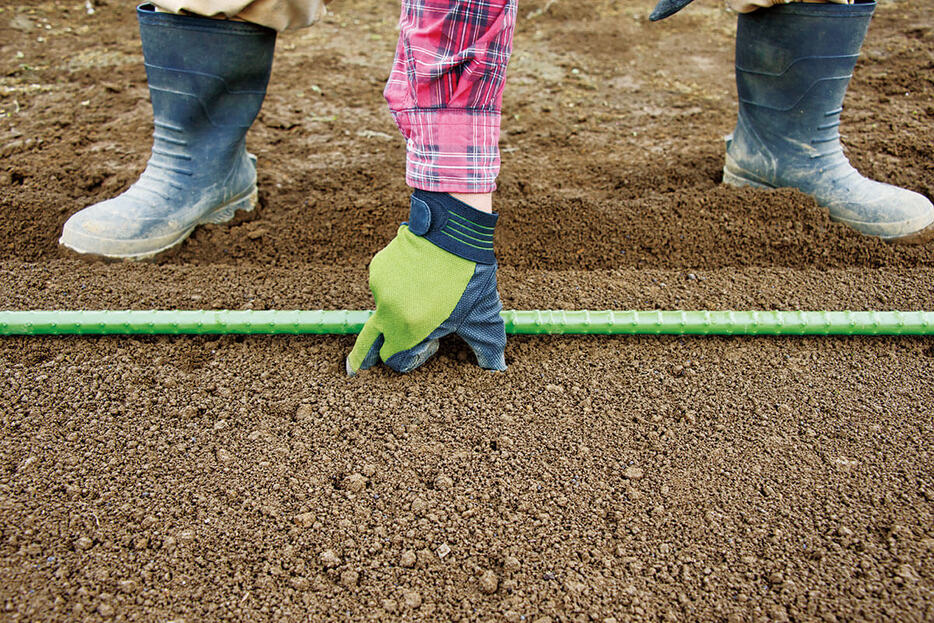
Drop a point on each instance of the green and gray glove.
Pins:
(436, 277)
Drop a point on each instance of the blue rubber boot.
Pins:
(207, 80)
(793, 65)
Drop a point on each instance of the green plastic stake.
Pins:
(552, 322)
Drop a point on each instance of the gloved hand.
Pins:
(436, 277)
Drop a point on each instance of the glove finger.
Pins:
(487, 340)
(484, 329)
(365, 352)
(485, 333)
(408, 360)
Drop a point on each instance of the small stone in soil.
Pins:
(350, 578)
(408, 558)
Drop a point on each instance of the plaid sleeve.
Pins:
(445, 90)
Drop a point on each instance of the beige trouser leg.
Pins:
(748, 6)
(276, 14)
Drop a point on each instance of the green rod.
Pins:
(560, 322)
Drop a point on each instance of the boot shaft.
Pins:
(207, 79)
(793, 65)
(205, 75)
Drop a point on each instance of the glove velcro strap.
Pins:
(453, 225)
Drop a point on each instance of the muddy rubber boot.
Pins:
(207, 79)
(793, 65)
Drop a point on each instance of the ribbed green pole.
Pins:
(517, 322)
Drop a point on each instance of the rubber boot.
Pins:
(207, 79)
(793, 65)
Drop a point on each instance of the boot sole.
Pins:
(148, 248)
(917, 237)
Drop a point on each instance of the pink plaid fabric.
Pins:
(446, 90)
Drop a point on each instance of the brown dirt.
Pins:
(245, 478)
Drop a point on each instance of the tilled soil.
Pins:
(246, 478)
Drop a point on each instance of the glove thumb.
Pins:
(365, 352)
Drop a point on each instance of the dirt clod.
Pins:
(489, 582)
(412, 599)
(907, 572)
(304, 413)
(329, 559)
(419, 506)
(84, 543)
(634, 473)
(224, 457)
(356, 483)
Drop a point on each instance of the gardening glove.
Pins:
(436, 277)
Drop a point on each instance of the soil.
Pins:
(598, 479)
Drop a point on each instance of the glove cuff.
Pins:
(453, 225)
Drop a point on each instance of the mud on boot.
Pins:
(793, 66)
(207, 80)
